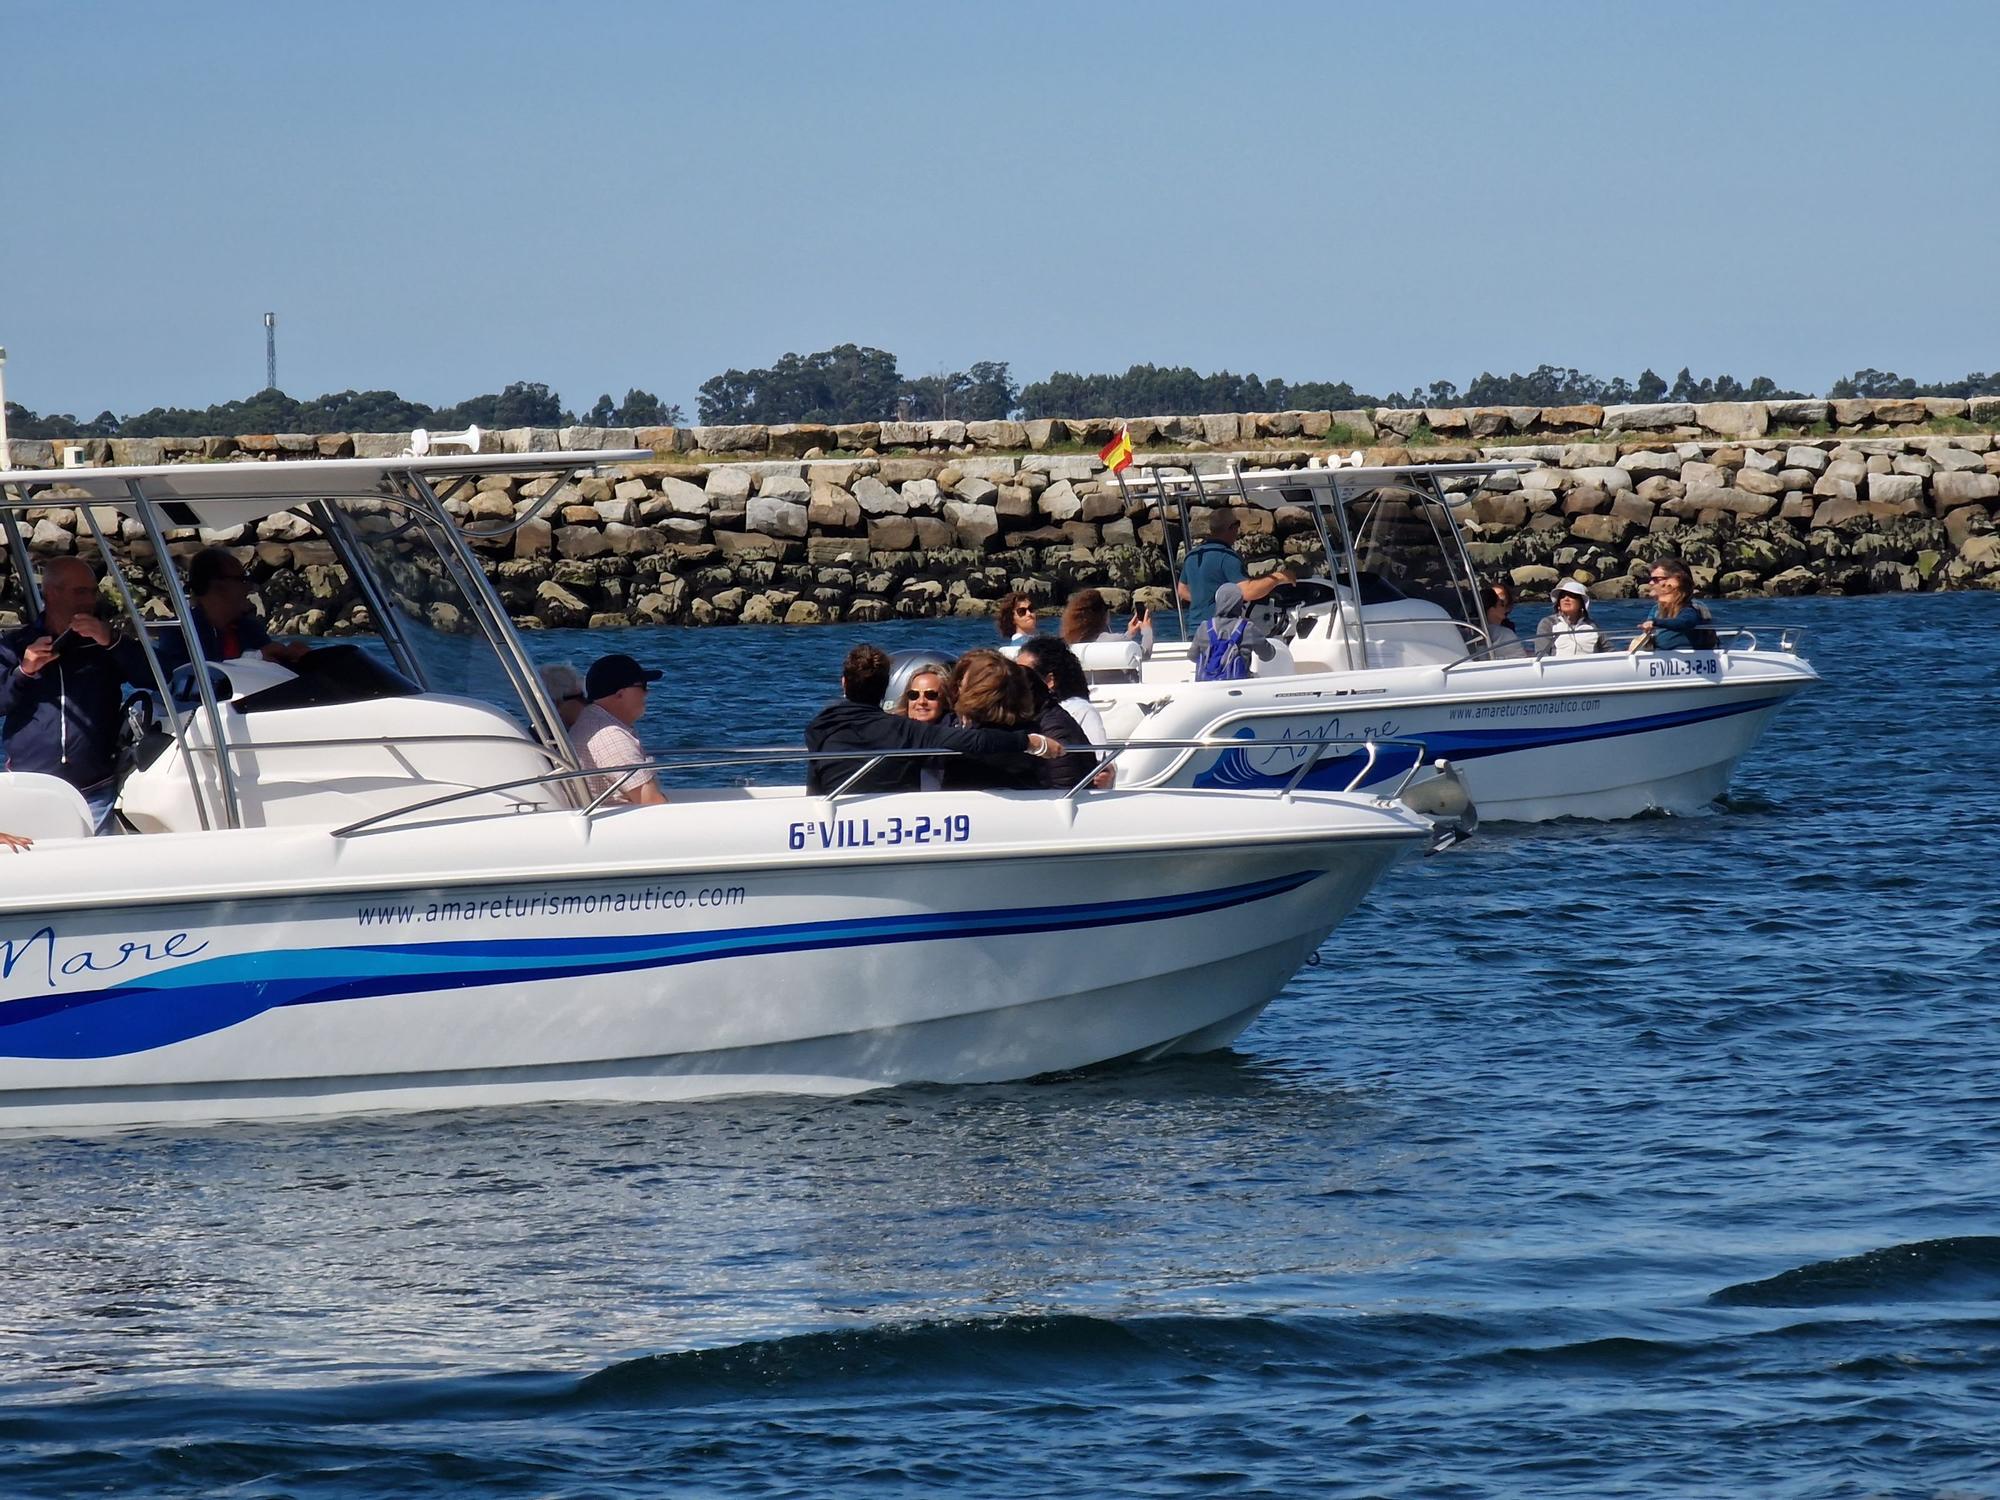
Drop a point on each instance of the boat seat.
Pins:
(1111, 661)
(43, 807)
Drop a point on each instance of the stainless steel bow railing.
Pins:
(866, 761)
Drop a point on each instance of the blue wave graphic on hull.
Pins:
(1232, 768)
(210, 995)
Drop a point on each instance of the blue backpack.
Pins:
(1222, 657)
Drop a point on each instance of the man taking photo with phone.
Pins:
(62, 680)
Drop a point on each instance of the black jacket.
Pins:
(843, 725)
(64, 722)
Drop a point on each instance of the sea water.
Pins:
(1656, 1157)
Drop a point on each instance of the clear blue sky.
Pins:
(438, 199)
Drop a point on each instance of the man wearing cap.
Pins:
(1569, 631)
(616, 687)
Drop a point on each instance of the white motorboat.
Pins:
(1394, 646)
(352, 885)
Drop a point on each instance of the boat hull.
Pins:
(674, 983)
(1531, 740)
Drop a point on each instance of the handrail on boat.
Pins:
(721, 756)
(1791, 640)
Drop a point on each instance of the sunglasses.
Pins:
(922, 695)
(572, 698)
(1024, 609)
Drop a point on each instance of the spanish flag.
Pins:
(1117, 454)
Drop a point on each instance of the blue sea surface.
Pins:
(1658, 1157)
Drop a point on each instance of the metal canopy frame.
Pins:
(151, 494)
(1325, 491)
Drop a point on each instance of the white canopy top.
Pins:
(234, 493)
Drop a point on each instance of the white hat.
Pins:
(1571, 586)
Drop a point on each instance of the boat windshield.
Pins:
(418, 607)
(1405, 538)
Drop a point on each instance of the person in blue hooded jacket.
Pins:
(62, 681)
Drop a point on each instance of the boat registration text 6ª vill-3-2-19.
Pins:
(889, 833)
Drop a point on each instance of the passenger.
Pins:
(1054, 669)
(1016, 619)
(1569, 631)
(1062, 674)
(15, 843)
(1502, 642)
(1237, 632)
(565, 685)
(1510, 596)
(857, 722)
(218, 588)
(1086, 618)
(925, 701)
(1210, 565)
(616, 687)
(1677, 622)
(990, 692)
(61, 685)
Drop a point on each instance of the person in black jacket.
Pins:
(858, 722)
(61, 683)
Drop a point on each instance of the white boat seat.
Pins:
(1111, 661)
(43, 807)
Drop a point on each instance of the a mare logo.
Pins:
(1295, 744)
(43, 955)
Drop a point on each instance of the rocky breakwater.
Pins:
(947, 527)
(1861, 515)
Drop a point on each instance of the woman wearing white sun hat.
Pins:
(1569, 631)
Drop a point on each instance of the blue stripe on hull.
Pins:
(1232, 768)
(208, 995)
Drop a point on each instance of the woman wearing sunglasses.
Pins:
(1677, 622)
(923, 701)
(1016, 620)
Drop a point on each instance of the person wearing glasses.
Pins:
(924, 702)
(1016, 620)
(616, 687)
(1677, 622)
(565, 685)
(1569, 630)
(856, 721)
(219, 588)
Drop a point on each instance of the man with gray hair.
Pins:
(62, 679)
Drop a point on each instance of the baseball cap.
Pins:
(1571, 586)
(611, 674)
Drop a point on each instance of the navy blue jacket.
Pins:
(64, 722)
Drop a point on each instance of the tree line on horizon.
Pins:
(851, 383)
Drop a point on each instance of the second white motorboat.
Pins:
(1393, 647)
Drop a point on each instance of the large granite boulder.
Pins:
(1650, 417)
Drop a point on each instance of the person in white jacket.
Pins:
(1569, 631)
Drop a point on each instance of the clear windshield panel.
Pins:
(417, 605)
(1404, 541)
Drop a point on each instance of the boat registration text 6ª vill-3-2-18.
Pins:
(889, 833)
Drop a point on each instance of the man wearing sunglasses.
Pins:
(857, 721)
(616, 687)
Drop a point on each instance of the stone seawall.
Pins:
(706, 540)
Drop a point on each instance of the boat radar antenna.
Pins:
(270, 351)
